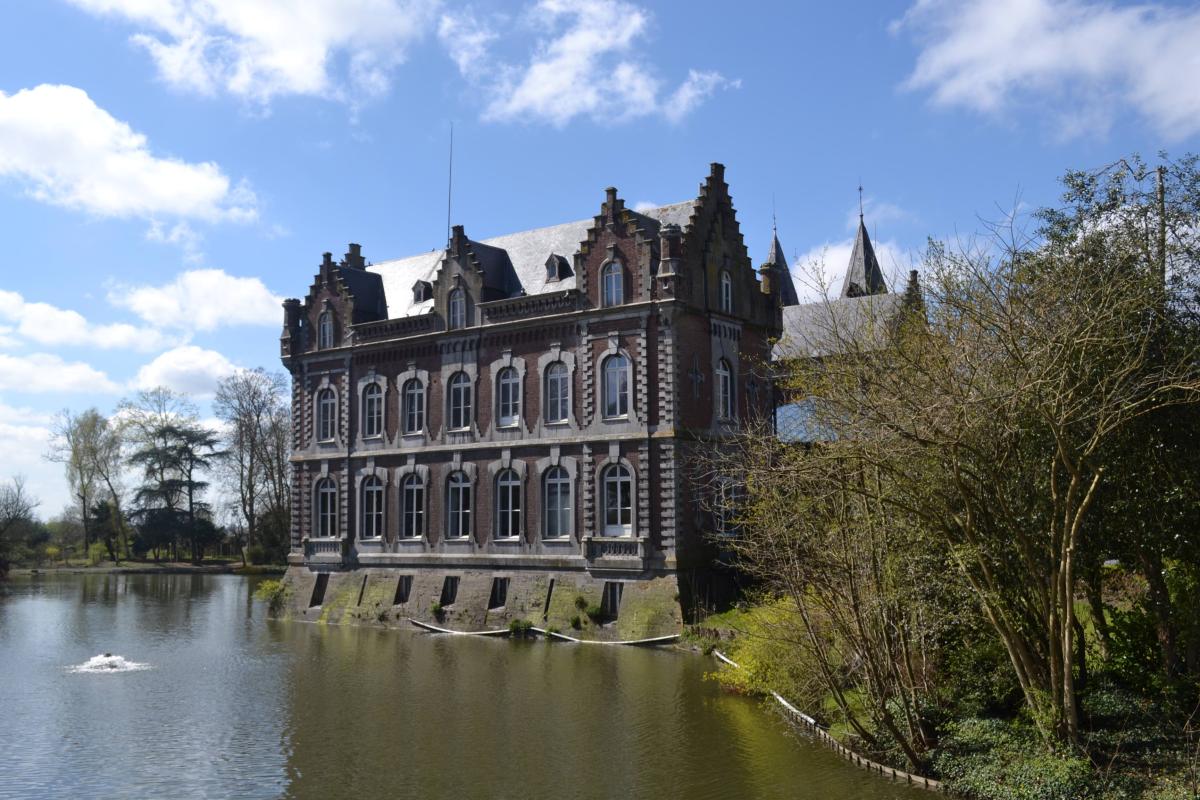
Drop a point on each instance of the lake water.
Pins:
(229, 704)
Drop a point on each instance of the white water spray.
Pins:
(107, 662)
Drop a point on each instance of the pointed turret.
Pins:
(864, 276)
(777, 263)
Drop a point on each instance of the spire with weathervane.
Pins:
(864, 277)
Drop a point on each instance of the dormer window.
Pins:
(612, 284)
(324, 330)
(422, 291)
(457, 309)
(557, 268)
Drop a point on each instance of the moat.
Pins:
(230, 704)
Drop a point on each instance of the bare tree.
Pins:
(17, 508)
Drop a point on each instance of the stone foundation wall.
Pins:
(649, 606)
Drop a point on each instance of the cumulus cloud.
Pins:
(69, 152)
(201, 300)
(45, 372)
(47, 324)
(188, 369)
(585, 63)
(342, 49)
(1085, 62)
(820, 271)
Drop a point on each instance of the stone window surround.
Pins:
(614, 458)
(326, 314)
(471, 471)
(336, 441)
(505, 361)
(613, 258)
(571, 466)
(314, 493)
(379, 472)
(471, 369)
(612, 350)
(411, 467)
(494, 468)
(722, 348)
(381, 381)
(555, 354)
(422, 375)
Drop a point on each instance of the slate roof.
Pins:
(813, 330)
(864, 275)
(787, 287)
(526, 252)
(369, 303)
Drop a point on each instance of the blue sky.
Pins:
(169, 169)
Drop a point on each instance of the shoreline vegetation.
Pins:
(150, 568)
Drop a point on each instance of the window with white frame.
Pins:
(372, 410)
(616, 386)
(412, 506)
(327, 521)
(726, 292)
(557, 504)
(617, 493)
(414, 406)
(372, 507)
(558, 392)
(326, 415)
(458, 506)
(508, 397)
(508, 504)
(459, 389)
(325, 330)
(725, 389)
(612, 281)
(725, 506)
(458, 309)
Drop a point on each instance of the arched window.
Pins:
(726, 292)
(325, 330)
(508, 504)
(724, 390)
(327, 523)
(458, 506)
(459, 389)
(557, 503)
(618, 501)
(372, 410)
(414, 406)
(458, 309)
(558, 392)
(326, 415)
(612, 280)
(508, 397)
(616, 386)
(372, 508)
(412, 507)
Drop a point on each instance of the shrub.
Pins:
(96, 553)
(581, 602)
(256, 554)
(53, 552)
(576, 622)
(275, 593)
(595, 613)
(435, 608)
(519, 628)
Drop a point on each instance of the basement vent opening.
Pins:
(403, 588)
(549, 594)
(361, 591)
(610, 603)
(499, 596)
(449, 591)
(318, 595)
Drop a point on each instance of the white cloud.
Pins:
(586, 64)
(70, 152)
(188, 369)
(641, 206)
(50, 325)
(343, 49)
(1085, 62)
(181, 235)
(876, 212)
(820, 271)
(201, 300)
(45, 372)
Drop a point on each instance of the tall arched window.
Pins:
(612, 281)
(372, 410)
(458, 506)
(618, 501)
(412, 507)
(508, 504)
(558, 392)
(414, 406)
(326, 415)
(726, 292)
(616, 386)
(372, 508)
(557, 503)
(724, 389)
(327, 523)
(325, 330)
(459, 389)
(508, 397)
(458, 309)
